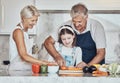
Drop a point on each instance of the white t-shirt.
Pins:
(96, 29)
(75, 52)
(16, 63)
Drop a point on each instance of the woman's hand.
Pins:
(52, 64)
(81, 64)
(45, 62)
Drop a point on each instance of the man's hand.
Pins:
(49, 45)
(59, 59)
(82, 64)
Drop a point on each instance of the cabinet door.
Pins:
(66, 4)
(11, 12)
(1, 15)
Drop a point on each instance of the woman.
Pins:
(20, 51)
(66, 47)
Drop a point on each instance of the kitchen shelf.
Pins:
(7, 34)
(90, 11)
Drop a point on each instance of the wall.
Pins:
(4, 47)
(48, 22)
(66, 5)
(10, 12)
(0, 15)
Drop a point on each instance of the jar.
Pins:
(35, 68)
(44, 69)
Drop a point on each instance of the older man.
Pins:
(90, 37)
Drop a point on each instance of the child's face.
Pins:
(67, 39)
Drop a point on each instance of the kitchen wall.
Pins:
(4, 47)
(66, 5)
(48, 22)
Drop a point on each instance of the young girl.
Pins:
(66, 46)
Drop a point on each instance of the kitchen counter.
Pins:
(28, 77)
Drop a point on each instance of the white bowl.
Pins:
(53, 69)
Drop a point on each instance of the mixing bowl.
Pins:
(53, 69)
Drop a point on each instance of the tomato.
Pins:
(35, 68)
(63, 68)
(71, 68)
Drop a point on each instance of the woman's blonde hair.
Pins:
(29, 11)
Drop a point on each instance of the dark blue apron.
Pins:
(88, 46)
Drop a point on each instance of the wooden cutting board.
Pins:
(70, 71)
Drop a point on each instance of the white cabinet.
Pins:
(10, 12)
(67, 4)
(1, 15)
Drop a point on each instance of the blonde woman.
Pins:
(20, 52)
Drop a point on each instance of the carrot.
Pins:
(99, 73)
(74, 68)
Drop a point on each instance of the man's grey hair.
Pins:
(78, 9)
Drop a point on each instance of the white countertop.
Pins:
(28, 77)
(31, 79)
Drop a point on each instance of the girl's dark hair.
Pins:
(63, 32)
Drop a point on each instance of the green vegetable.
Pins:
(113, 68)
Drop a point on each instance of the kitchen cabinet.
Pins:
(0, 14)
(92, 5)
(10, 12)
